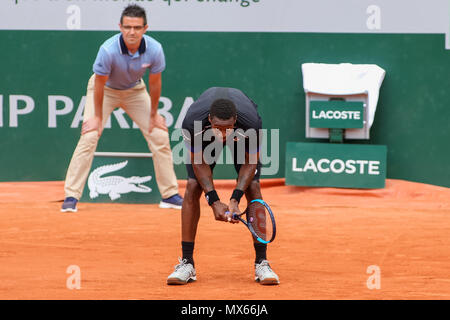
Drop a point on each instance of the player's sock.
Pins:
(260, 251)
(188, 251)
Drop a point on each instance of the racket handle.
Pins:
(235, 216)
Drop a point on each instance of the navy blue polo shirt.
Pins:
(124, 69)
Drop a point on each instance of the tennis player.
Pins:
(219, 117)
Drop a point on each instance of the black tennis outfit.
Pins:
(247, 127)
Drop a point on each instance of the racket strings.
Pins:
(260, 220)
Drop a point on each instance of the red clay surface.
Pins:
(326, 240)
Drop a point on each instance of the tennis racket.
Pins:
(260, 220)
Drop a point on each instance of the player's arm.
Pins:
(154, 89)
(247, 171)
(245, 177)
(203, 174)
(95, 123)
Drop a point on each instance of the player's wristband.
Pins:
(237, 195)
(211, 197)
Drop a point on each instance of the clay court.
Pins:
(326, 240)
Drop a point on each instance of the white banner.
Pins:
(342, 16)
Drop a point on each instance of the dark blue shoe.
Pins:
(174, 202)
(70, 204)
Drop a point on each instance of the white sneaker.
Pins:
(264, 274)
(184, 272)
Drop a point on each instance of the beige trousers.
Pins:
(137, 104)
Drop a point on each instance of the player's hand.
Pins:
(157, 121)
(234, 209)
(221, 211)
(92, 124)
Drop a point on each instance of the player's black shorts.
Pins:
(237, 167)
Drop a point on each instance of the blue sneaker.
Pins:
(173, 202)
(70, 204)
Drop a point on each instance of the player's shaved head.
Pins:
(223, 109)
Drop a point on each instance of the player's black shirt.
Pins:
(247, 115)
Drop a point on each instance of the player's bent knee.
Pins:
(254, 190)
(254, 186)
(193, 189)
